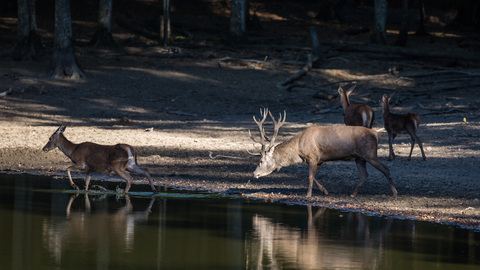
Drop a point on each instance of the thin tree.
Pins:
(238, 18)
(164, 21)
(403, 35)
(64, 62)
(29, 45)
(103, 35)
(421, 21)
(379, 34)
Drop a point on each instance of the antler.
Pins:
(276, 126)
(263, 136)
(264, 139)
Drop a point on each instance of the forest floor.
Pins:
(181, 107)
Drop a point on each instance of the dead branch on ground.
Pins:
(217, 156)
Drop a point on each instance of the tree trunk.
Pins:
(467, 15)
(64, 63)
(164, 21)
(103, 36)
(403, 35)
(326, 12)
(421, 21)
(238, 18)
(29, 45)
(379, 34)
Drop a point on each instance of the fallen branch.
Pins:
(311, 58)
(5, 93)
(439, 110)
(298, 75)
(217, 156)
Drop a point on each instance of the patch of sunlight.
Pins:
(452, 125)
(397, 32)
(269, 16)
(443, 34)
(170, 74)
(341, 73)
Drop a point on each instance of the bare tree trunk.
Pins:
(103, 36)
(421, 22)
(64, 62)
(165, 22)
(238, 18)
(29, 45)
(379, 34)
(326, 12)
(403, 35)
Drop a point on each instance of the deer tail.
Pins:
(131, 155)
(379, 137)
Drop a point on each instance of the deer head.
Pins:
(385, 101)
(54, 140)
(267, 163)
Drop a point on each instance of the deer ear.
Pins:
(340, 90)
(349, 91)
(61, 129)
(270, 151)
(390, 97)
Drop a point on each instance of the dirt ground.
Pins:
(185, 109)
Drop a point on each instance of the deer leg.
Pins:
(137, 169)
(122, 173)
(412, 141)
(414, 138)
(87, 180)
(88, 207)
(362, 170)
(74, 168)
(391, 136)
(375, 162)
(312, 169)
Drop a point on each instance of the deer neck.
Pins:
(385, 109)
(286, 155)
(66, 146)
(345, 102)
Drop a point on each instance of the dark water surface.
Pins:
(43, 228)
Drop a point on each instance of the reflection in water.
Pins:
(50, 230)
(278, 245)
(98, 227)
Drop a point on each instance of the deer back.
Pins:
(359, 115)
(399, 123)
(326, 143)
(101, 158)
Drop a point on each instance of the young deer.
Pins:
(91, 157)
(400, 124)
(316, 145)
(356, 114)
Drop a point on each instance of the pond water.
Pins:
(42, 227)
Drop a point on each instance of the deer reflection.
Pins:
(101, 228)
(351, 243)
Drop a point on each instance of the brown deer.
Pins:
(92, 157)
(400, 124)
(316, 145)
(355, 114)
